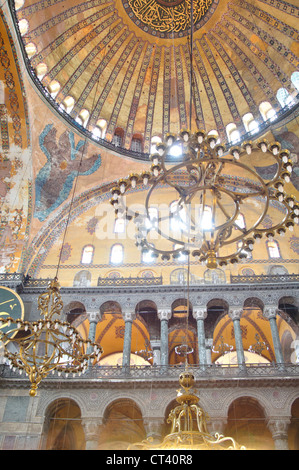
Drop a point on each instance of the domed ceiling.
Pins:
(126, 64)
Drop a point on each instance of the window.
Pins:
(232, 132)
(100, 129)
(273, 249)
(155, 140)
(136, 144)
(177, 217)
(251, 125)
(87, 254)
(183, 257)
(118, 137)
(41, 70)
(54, 88)
(68, 104)
(82, 117)
(147, 256)
(295, 79)
(117, 254)
(284, 98)
(267, 111)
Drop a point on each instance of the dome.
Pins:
(120, 71)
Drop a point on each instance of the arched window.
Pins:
(117, 254)
(87, 254)
(295, 79)
(273, 249)
(118, 137)
(82, 117)
(154, 141)
(232, 132)
(23, 26)
(54, 88)
(136, 143)
(147, 256)
(284, 98)
(30, 49)
(100, 129)
(267, 111)
(41, 70)
(251, 125)
(67, 104)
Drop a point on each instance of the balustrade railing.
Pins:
(150, 373)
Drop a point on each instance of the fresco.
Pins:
(15, 158)
(288, 137)
(55, 179)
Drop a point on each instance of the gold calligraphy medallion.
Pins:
(163, 17)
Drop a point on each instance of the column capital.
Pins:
(164, 314)
(94, 316)
(199, 313)
(270, 311)
(128, 316)
(235, 313)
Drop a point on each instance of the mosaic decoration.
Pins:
(165, 17)
(290, 141)
(66, 251)
(54, 181)
(294, 244)
(91, 225)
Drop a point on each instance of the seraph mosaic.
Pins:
(55, 180)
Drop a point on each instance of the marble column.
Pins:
(94, 317)
(209, 345)
(235, 315)
(270, 313)
(200, 315)
(164, 316)
(156, 347)
(91, 428)
(128, 317)
(279, 430)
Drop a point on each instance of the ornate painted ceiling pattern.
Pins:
(244, 52)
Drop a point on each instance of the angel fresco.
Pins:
(54, 181)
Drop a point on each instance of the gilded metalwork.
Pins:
(189, 425)
(168, 16)
(48, 344)
(217, 204)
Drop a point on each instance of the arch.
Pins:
(267, 111)
(246, 423)
(67, 104)
(62, 428)
(41, 70)
(82, 279)
(54, 88)
(273, 249)
(23, 26)
(284, 98)
(83, 117)
(117, 254)
(87, 254)
(137, 143)
(250, 124)
(294, 426)
(31, 49)
(118, 137)
(232, 132)
(122, 424)
(100, 129)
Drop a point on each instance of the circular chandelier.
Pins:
(48, 344)
(212, 205)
